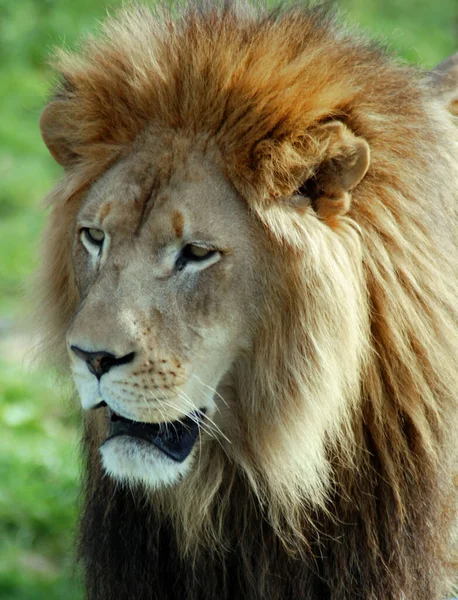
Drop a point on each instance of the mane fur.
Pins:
(339, 481)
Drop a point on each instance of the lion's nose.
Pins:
(101, 362)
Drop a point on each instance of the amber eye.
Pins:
(94, 236)
(194, 253)
(197, 252)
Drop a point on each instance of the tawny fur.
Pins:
(373, 516)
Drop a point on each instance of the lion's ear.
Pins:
(444, 83)
(345, 159)
(53, 131)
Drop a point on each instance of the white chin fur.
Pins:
(130, 460)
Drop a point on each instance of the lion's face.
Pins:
(210, 221)
(164, 262)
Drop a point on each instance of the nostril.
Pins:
(125, 359)
(105, 363)
(100, 362)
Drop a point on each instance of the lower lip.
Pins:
(175, 439)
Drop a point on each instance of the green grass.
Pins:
(38, 492)
(38, 447)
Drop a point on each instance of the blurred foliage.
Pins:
(29, 29)
(38, 493)
(421, 31)
(38, 447)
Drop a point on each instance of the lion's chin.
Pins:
(153, 454)
(135, 461)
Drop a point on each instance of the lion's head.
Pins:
(167, 264)
(186, 282)
(242, 264)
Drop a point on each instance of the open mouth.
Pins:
(175, 439)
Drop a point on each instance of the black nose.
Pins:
(101, 362)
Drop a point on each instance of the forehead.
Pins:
(164, 189)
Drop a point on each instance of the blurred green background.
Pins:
(39, 467)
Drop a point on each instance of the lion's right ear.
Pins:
(53, 126)
(444, 80)
(343, 159)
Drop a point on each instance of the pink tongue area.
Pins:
(175, 440)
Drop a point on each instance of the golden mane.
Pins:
(355, 362)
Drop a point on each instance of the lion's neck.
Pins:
(135, 549)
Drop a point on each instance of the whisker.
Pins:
(202, 425)
(210, 388)
(165, 422)
(190, 416)
(210, 422)
(195, 420)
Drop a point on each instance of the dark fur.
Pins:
(363, 549)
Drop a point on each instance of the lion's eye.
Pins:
(94, 236)
(194, 253)
(197, 252)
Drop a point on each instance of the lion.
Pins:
(250, 270)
